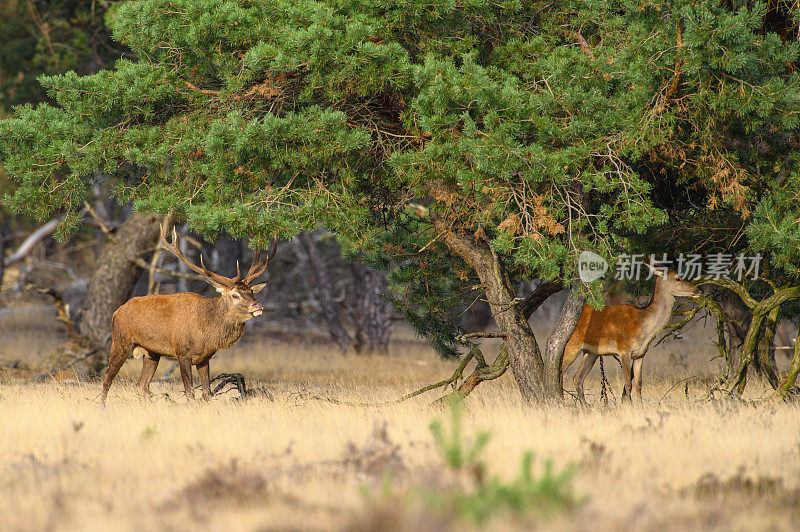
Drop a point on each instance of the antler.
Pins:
(257, 269)
(173, 248)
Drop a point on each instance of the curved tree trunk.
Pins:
(112, 282)
(740, 318)
(524, 356)
(557, 341)
(765, 357)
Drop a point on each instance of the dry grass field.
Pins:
(287, 460)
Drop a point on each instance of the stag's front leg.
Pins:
(185, 364)
(203, 371)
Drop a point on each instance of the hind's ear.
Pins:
(256, 288)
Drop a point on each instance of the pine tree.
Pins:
(470, 144)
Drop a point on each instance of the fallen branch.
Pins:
(464, 337)
(41, 377)
(61, 308)
(452, 380)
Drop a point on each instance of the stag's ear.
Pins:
(256, 288)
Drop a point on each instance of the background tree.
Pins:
(472, 144)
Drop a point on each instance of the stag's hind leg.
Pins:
(120, 349)
(149, 365)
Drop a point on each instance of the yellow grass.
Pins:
(295, 462)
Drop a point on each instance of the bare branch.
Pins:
(146, 266)
(30, 243)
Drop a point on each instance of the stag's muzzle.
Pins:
(257, 309)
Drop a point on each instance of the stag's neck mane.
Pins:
(220, 323)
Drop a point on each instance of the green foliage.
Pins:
(50, 37)
(527, 494)
(547, 129)
(455, 451)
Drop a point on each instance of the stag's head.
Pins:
(237, 293)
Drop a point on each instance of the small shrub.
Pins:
(544, 494)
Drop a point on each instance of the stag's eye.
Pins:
(235, 296)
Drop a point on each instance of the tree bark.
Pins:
(765, 357)
(794, 369)
(372, 310)
(325, 290)
(227, 252)
(3, 224)
(525, 358)
(112, 282)
(557, 341)
(740, 317)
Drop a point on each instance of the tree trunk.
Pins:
(3, 231)
(372, 310)
(557, 341)
(112, 282)
(794, 369)
(226, 253)
(737, 328)
(325, 290)
(525, 358)
(765, 356)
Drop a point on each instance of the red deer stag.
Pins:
(624, 330)
(185, 326)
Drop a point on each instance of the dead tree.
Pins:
(330, 311)
(371, 313)
(3, 231)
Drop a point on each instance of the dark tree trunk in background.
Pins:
(371, 311)
(112, 282)
(227, 252)
(557, 341)
(3, 232)
(325, 290)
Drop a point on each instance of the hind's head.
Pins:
(670, 281)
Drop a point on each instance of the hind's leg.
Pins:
(637, 377)
(627, 376)
(120, 348)
(586, 366)
(149, 365)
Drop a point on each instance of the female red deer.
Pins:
(624, 330)
(185, 326)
